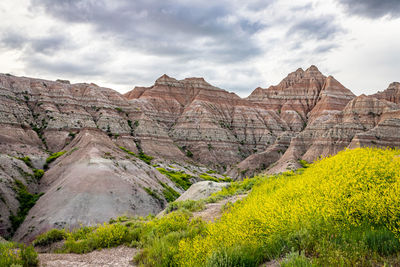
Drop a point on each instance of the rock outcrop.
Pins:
(201, 190)
(211, 125)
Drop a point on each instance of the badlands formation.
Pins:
(117, 150)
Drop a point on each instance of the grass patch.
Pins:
(27, 160)
(26, 202)
(53, 157)
(181, 179)
(145, 158)
(206, 176)
(142, 156)
(188, 205)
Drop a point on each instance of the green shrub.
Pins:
(127, 151)
(142, 156)
(26, 202)
(72, 135)
(53, 157)
(169, 193)
(50, 237)
(181, 179)
(38, 173)
(119, 109)
(304, 163)
(13, 254)
(27, 161)
(91, 238)
(153, 194)
(207, 177)
(189, 153)
(145, 158)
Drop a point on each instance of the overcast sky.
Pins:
(235, 45)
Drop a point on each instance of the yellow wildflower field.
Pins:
(348, 204)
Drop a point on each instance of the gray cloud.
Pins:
(372, 8)
(45, 45)
(322, 28)
(320, 49)
(168, 27)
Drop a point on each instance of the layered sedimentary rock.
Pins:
(39, 117)
(363, 122)
(186, 125)
(303, 96)
(392, 93)
(303, 99)
(211, 125)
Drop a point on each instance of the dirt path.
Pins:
(213, 211)
(120, 256)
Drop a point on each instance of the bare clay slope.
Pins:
(93, 182)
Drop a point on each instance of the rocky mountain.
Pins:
(105, 154)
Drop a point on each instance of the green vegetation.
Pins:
(127, 151)
(50, 237)
(206, 176)
(189, 153)
(53, 157)
(26, 202)
(169, 193)
(188, 205)
(142, 156)
(38, 173)
(13, 254)
(27, 161)
(145, 158)
(72, 135)
(119, 109)
(181, 179)
(153, 194)
(304, 164)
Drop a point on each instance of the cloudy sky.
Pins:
(236, 45)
